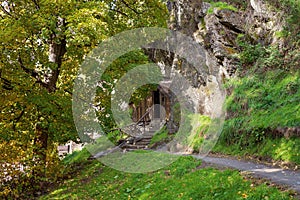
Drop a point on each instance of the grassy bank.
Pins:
(257, 105)
(279, 150)
(184, 179)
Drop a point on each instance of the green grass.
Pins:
(76, 156)
(195, 137)
(161, 136)
(220, 6)
(265, 96)
(201, 124)
(279, 149)
(180, 180)
(258, 105)
(259, 102)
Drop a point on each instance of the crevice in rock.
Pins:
(232, 27)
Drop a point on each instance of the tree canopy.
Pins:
(42, 46)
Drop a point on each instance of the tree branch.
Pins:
(7, 83)
(81, 99)
(128, 6)
(4, 10)
(17, 119)
(69, 92)
(120, 12)
(36, 4)
(20, 116)
(31, 72)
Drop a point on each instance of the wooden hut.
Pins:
(155, 106)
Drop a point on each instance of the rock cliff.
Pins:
(217, 28)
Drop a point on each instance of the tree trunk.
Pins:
(39, 156)
(57, 49)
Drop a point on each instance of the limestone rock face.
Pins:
(259, 6)
(217, 33)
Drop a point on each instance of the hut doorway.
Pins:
(156, 102)
(154, 109)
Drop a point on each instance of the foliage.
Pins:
(110, 78)
(42, 45)
(181, 180)
(265, 96)
(21, 185)
(291, 8)
(160, 136)
(115, 136)
(260, 58)
(258, 105)
(192, 132)
(176, 112)
(76, 157)
(200, 127)
(251, 53)
(220, 6)
(236, 3)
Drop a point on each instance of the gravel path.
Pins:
(276, 175)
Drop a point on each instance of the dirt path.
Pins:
(275, 175)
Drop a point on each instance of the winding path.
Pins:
(275, 175)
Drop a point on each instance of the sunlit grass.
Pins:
(280, 149)
(257, 106)
(181, 180)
